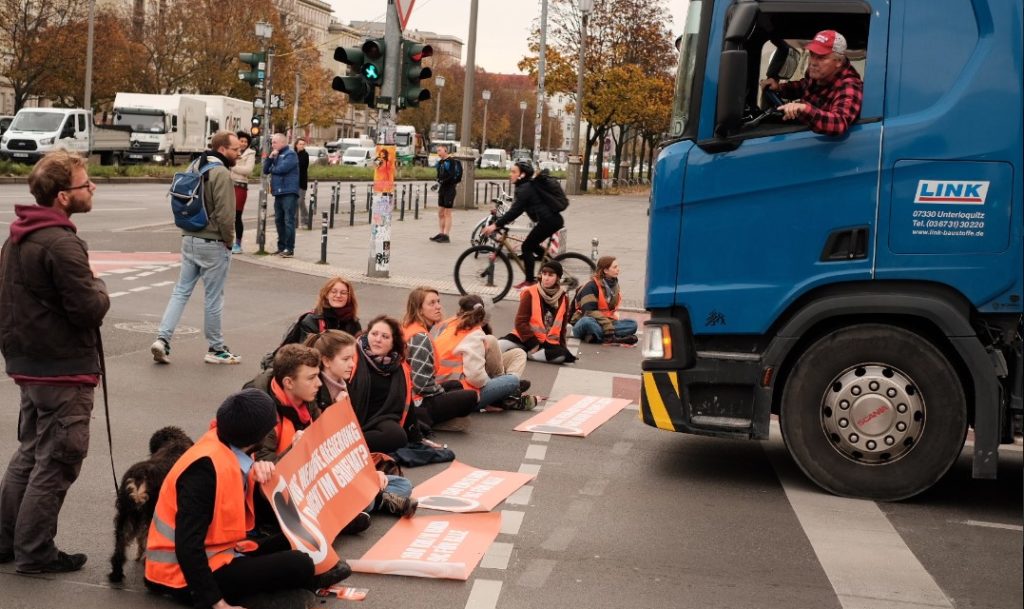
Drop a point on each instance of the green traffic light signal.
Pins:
(258, 65)
(413, 72)
(372, 69)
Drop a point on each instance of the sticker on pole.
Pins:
(404, 10)
(442, 547)
(574, 415)
(463, 488)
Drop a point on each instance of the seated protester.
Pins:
(293, 384)
(462, 347)
(336, 309)
(542, 318)
(337, 351)
(596, 318)
(441, 407)
(205, 509)
(380, 388)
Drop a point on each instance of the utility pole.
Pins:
(539, 120)
(88, 61)
(574, 184)
(264, 31)
(465, 197)
(295, 111)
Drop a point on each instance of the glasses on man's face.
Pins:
(88, 184)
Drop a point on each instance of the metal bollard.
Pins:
(331, 215)
(593, 249)
(424, 195)
(337, 199)
(312, 205)
(416, 210)
(351, 204)
(401, 213)
(323, 238)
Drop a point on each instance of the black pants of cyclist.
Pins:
(532, 248)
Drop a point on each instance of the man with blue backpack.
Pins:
(203, 202)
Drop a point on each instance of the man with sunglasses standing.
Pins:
(51, 308)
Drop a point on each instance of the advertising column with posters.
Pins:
(384, 163)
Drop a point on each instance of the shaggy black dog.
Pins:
(136, 498)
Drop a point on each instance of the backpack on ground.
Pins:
(550, 190)
(291, 336)
(188, 201)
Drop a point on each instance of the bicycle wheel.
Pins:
(577, 269)
(485, 271)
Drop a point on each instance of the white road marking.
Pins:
(990, 525)
(162, 284)
(146, 274)
(484, 594)
(116, 294)
(120, 271)
(541, 437)
(139, 289)
(132, 278)
(521, 496)
(529, 468)
(867, 562)
(511, 521)
(497, 556)
(536, 452)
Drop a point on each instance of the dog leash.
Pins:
(106, 403)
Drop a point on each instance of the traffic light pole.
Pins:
(378, 262)
(261, 222)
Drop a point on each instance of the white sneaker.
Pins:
(161, 351)
(221, 356)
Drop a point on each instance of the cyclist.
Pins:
(547, 220)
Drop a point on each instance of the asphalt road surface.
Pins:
(627, 517)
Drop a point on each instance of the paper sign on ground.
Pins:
(462, 488)
(447, 547)
(322, 483)
(574, 415)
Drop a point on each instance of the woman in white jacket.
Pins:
(240, 176)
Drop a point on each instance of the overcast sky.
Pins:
(502, 27)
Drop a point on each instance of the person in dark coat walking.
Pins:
(300, 151)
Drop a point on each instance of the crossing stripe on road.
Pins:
(865, 559)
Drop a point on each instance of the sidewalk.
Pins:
(618, 222)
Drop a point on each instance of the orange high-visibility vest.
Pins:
(285, 434)
(412, 330)
(543, 334)
(232, 516)
(602, 303)
(448, 366)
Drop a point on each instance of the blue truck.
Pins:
(867, 288)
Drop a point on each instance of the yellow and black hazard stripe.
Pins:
(661, 403)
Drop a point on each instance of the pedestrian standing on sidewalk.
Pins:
(300, 152)
(283, 167)
(449, 174)
(206, 255)
(596, 318)
(240, 176)
(51, 309)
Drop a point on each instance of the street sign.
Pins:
(404, 10)
(383, 103)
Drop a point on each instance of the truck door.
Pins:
(82, 125)
(776, 186)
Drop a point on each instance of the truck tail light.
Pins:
(657, 342)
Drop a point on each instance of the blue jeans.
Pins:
(210, 261)
(497, 389)
(285, 207)
(588, 330)
(397, 485)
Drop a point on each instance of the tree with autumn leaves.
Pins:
(628, 75)
(174, 47)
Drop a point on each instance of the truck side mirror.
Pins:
(732, 90)
(174, 124)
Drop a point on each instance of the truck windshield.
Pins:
(688, 52)
(140, 122)
(403, 139)
(37, 121)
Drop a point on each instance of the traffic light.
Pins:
(373, 61)
(258, 72)
(411, 91)
(354, 84)
(255, 129)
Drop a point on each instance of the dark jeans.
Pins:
(284, 220)
(53, 429)
(385, 437)
(532, 248)
(450, 404)
(241, 194)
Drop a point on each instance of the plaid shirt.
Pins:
(831, 107)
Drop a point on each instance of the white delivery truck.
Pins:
(226, 114)
(36, 131)
(495, 158)
(164, 127)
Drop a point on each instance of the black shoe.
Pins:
(436, 237)
(359, 524)
(627, 340)
(444, 239)
(327, 579)
(6, 557)
(64, 563)
(524, 385)
(398, 505)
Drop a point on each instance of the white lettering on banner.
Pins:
(954, 192)
(577, 414)
(348, 467)
(425, 540)
(448, 546)
(473, 485)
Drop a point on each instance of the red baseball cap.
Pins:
(827, 42)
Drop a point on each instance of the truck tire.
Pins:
(169, 161)
(105, 158)
(873, 411)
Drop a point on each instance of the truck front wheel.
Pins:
(873, 411)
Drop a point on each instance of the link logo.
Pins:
(944, 192)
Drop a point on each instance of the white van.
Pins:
(36, 131)
(359, 156)
(494, 158)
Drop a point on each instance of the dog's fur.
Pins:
(137, 495)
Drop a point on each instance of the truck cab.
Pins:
(866, 287)
(163, 127)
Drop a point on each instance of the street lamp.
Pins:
(483, 140)
(439, 81)
(522, 115)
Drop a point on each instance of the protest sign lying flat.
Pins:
(574, 415)
(447, 547)
(322, 483)
(462, 488)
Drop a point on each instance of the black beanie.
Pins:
(246, 417)
(553, 266)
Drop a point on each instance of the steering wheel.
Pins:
(773, 98)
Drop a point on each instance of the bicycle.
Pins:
(486, 270)
(502, 203)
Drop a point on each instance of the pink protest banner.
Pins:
(462, 488)
(574, 415)
(442, 547)
(322, 483)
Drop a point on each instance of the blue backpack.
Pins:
(188, 203)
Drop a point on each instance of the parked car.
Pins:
(5, 123)
(358, 156)
(317, 155)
